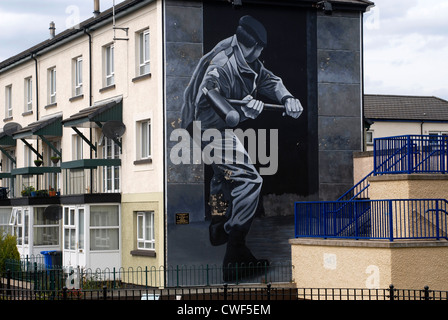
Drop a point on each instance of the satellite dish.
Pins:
(53, 212)
(11, 127)
(114, 129)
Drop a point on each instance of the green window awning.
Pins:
(34, 170)
(49, 127)
(90, 163)
(6, 140)
(94, 116)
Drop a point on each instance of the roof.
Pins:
(85, 25)
(397, 107)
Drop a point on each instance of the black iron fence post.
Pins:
(64, 293)
(269, 291)
(391, 293)
(104, 292)
(8, 282)
(225, 291)
(426, 293)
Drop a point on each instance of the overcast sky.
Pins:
(405, 41)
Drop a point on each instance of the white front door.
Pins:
(74, 236)
(20, 221)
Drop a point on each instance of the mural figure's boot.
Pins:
(217, 234)
(239, 262)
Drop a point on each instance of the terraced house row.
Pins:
(81, 158)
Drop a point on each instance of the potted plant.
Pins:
(42, 193)
(38, 162)
(52, 192)
(28, 191)
(55, 159)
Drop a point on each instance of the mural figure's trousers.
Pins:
(235, 177)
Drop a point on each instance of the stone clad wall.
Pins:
(339, 100)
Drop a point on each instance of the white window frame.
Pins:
(8, 101)
(102, 230)
(69, 228)
(19, 222)
(28, 156)
(43, 229)
(111, 173)
(28, 94)
(109, 68)
(369, 141)
(144, 52)
(145, 230)
(144, 139)
(5, 221)
(7, 166)
(77, 79)
(77, 147)
(52, 85)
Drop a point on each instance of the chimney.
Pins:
(96, 8)
(52, 30)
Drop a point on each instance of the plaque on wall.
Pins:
(182, 218)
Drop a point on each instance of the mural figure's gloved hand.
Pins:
(253, 108)
(293, 107)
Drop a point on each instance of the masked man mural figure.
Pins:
(234, 70)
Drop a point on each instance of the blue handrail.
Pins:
(373, 219)
(403, 154)
(411, 154)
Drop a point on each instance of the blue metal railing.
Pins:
(373, 219)
(359, 190)
(403, 154)
(410, 154)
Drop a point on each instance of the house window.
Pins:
(20, 224)
(5, 216)
(104, 228)
(7, 165)
(27, 156)
(111, 174)
(76, 147)
(52, 178)
(73, 228)
(52, 85)
(8, 101)
(369, 138)
(77, 69)
(144, 148)
(145, 230)
(144, 52)
(109, 65)
(45, 228)
(28, 94)
(69, 229)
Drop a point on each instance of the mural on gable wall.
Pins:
(244, 121)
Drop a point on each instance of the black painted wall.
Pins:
(319, 59)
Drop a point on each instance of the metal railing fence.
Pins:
(373, 219)
(403, 154)
(226, 292)
(37, 276)
(410, 154)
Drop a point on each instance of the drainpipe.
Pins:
(36, 71)
(33, 56)
(90, 100)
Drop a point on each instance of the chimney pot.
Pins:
(96, 8)
(52, 30)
